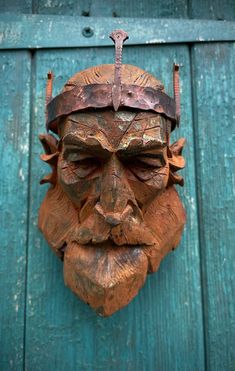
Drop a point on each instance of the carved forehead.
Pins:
(116, 128)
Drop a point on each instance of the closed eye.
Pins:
(147, 161)
(89, 162)
(73, 155)
(82, 164)
(145, 166)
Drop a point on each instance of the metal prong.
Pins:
(176, 83)
(49, 89)
(118, 37)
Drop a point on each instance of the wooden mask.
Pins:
(112, 211)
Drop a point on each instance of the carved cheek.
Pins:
(159, 179)
(146, 185)
(77, 184)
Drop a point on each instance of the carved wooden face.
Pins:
(113, 212)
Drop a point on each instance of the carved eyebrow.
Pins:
(135, 150)
(91, 145)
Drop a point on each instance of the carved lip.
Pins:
(105, 245)
(109, 244)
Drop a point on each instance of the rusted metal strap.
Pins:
(100, 96)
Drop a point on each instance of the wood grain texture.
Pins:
(212, 9)
(109, 8)
(16, 6)
(162, 328)
(14, 154)
(44, 31)
(215, 145)
(209, 9)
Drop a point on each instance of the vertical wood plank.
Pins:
(14, 153)
(61, 7)
(109, 8)
(141, 9)
(162, 328)
(151, 8)
(16, 6)
(214, 83)
(212, 9)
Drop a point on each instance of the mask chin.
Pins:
(105, 278)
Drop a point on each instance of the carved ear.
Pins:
(177, 147)
(176, 161)
(50, 145)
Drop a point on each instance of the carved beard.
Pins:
(109, 273)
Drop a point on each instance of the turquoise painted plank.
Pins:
(43, 31)
(162, 328)
(73, 7)
(14, 154)
(16, 6)
(214, 84)
(151, 8)
(107, 8)
(213, 9)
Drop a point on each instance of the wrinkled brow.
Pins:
(135, 149)
(90, 144)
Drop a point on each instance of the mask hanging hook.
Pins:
(118, 37)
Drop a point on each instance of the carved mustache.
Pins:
(132, 231)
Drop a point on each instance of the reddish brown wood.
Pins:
(112, 212)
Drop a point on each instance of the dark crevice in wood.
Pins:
(61, 251)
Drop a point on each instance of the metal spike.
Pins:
(176, 83)
(118, 37)
(49, 89)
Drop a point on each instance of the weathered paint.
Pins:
(14, 153)
(212, 9)
(36, 31)
(188, 303)
(149, 331)
(215, 149)
(107, 8)
(200, 9)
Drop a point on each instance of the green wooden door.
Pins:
(183, 318)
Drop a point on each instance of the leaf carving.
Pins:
(176, 162)
(50, 145)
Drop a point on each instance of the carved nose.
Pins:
(113, 218)
(116, 196)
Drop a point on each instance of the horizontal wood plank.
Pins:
(43, 31)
